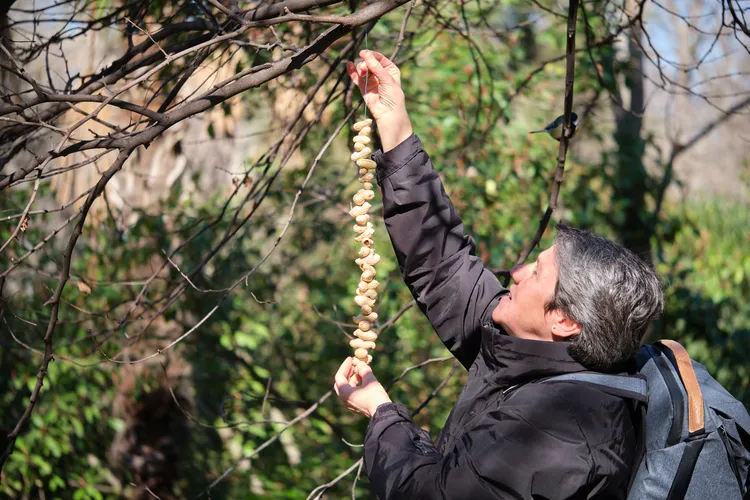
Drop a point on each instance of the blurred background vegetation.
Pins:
(639, 172)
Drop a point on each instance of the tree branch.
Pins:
(678, 149)
(563, 147)
(55, 301)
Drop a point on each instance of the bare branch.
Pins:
(267, 443)
(563, 148)
(679, 149)
(24, 215)
(55, 302)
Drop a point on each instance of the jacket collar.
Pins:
(517, 361)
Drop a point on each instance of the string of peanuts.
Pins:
(363, 229)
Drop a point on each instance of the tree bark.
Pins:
(630, 183)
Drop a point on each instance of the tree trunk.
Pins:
(631, 179)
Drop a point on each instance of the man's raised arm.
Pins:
(437, 259)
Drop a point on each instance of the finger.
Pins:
(384, 61)
(388, 65)
(342, 376)
(374, 66)
(354, 378)
(364, 83)
(365, 373)
(352, 70)
(362, 70)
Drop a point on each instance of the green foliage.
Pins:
(708, 289)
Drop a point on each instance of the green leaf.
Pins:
(77, 427)
(44, 468)
(53, 446)
(117, 424)
(56, 482)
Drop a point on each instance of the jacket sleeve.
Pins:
(505, 456)
(437, 260)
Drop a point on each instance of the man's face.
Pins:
(521, 313)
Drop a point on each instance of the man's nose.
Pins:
(518, 273)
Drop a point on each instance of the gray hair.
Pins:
(609, 291)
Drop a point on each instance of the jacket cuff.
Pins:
(391, 161)
(387, 411)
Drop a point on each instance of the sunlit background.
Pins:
(209, 298)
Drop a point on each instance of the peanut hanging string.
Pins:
(367, 288)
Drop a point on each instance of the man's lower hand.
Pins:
(358, 388)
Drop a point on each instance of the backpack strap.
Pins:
(632, 387)
(685, 469)
(696, 417)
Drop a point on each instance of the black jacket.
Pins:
(509, 435)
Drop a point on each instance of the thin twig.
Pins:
(318, 492)
(385, 326)
(402, 33)
(267, 443)
(563, 148)
(356, 479)
(55, 302)
(166, 56)
(437, 389)
(25, 214)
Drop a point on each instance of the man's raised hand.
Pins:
(379, 80)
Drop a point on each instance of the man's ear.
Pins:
(562, 327)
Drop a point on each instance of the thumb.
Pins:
(377, 69)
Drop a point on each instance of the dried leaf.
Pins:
(84, 288)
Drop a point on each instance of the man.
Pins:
(583, 305)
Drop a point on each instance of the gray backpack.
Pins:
(695, 437)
